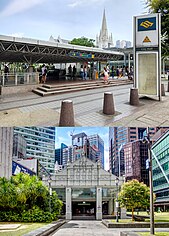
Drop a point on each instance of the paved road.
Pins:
(85, 228)
(96, 228)
(30, 109)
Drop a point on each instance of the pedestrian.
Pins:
(74, 71)
(117, 72)
(6, 72)
(70, 71)
(106, 76)
(44, 73)
(81, 72)
(85, 72)
(112, 72)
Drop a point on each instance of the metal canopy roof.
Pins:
(13, 49)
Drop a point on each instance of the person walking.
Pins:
(106, 76)
(44, 73)
(81, 72)
(6, 72)
(85, 72)
(74, 71)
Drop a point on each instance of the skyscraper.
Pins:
(97, 141)
(40, 144)
(160, 168)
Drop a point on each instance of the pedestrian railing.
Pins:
(15, 79)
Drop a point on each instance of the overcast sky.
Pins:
(68, 18)
(63, 135)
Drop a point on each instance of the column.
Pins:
(129, 61)
(99, 204)
(68, 203)
(110, 207)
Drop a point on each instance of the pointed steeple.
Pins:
(104, 40)
(104, 25)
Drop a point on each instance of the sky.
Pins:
(39, 19)
(63, 135)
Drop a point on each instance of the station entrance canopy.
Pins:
(13, 49)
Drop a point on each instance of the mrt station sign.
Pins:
(147, 54)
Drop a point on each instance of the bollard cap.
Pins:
(108, 93)
(67, 101)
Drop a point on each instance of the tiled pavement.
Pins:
(30, 109)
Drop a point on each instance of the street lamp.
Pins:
(117, 203)
(50, 192)
(147, 140)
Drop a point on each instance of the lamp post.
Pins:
(50, 192)
(117, 203)
(147, 139)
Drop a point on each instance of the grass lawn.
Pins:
(157, 234)
(23, 229)
(159, 217)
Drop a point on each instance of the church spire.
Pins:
(104, 30)
(104, 41)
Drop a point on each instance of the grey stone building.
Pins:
(86, 189)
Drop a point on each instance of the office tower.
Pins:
(6, 149)
(118, 136)
(160, 168)
(59, 154)
(19, 146)
(96, 141)
(40, 144)
(135, 156)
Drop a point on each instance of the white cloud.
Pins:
(76, 3)
(16, 6)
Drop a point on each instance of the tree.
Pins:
(26, 198)
(161, 6)
(134, 195)
(83, 42)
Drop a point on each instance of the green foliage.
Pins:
(134, 194)
(83, 42)
(26, 198)
(161, 6)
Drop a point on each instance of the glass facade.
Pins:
(40, 144)
(160, 166)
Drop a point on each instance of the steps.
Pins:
(46, 90)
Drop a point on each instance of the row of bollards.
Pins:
(67, 113)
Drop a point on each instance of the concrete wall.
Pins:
(17, 89)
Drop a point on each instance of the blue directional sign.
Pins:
(146, 24)
(82, 55)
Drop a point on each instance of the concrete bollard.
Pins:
(134, 98)
(162, 90)
(67, 114)
(108, 105)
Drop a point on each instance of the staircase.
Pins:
(46, 90)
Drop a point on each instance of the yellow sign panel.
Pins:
(146, 40)
(146, 24)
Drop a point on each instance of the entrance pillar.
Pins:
(99, 204)
(68, 203)
(110, 207)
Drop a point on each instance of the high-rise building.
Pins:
(59, 154)
(135, 156)
(96, 141)
(118, 136)
(40, 144)
(104, 40)
(6, 149)
(160, 168)
(19, 146)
